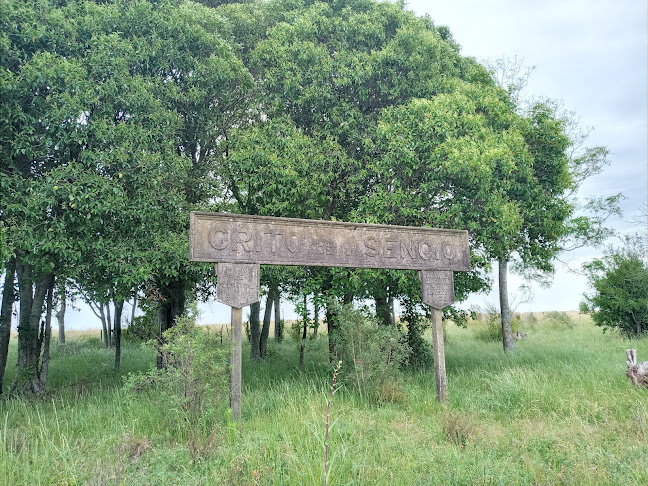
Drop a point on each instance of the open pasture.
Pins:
(558, 411)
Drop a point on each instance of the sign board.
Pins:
(437, 288)
(238, 284)
(240, 243)
(235, 238)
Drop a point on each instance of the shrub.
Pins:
(420, 350)
(296, 329)
(195, 381)
(559, 320)
(530, 320)
(372, 354)
(490, 327)
(619, 297)
(145, 327)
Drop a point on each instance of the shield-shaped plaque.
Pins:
(437, 288)
(238, 284)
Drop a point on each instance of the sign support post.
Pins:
(437, 291)
(237, 286)
(235, 364)
(439, 356)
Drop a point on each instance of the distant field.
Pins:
(558, 411)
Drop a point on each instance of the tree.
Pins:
(554, 220)
(61, 298)
(444, 162)
(619, 289)
(272, 168)
(103, 149)
(200, 79)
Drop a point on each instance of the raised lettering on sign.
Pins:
(221, 237)
(237, 284)
(437, 288)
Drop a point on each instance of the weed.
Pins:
(16, 441)
(547, 405)
(200, 447)
(194, 383)
(133, 447)
(458, 429)
(77, 346)
(392, 391)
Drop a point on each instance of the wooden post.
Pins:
(439, 356)
(235, 364)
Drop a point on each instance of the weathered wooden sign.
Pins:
(240, 243)
(238, 284)
(437, 288)
(222, 237)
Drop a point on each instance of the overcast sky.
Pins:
(590, 54)
(593, 56)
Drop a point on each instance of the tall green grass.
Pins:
(559, 410)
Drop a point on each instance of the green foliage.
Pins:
(619, 295)
(194, 383)
(144, 328)
(296, 329)
(559, 319)
(112, 117)
(334, 69)
(372, 354)
(420, 355)
(490, 324)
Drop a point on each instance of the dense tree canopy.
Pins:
(120, 117)
(112, 113)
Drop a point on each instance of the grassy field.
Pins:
(558, 411)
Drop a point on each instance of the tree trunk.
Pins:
(132, 319)
(119, 307)
(99, 311)
(383, 313)
(111, 333)
(8, 298)
(392, 310)
(60, 314)
(32, 290)
(278, 331)
(265, 330)
(47, 338)
(172, 307)
(104, 325)
(255, 330)
(315, 316)
(505, 310)
(304, 334)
